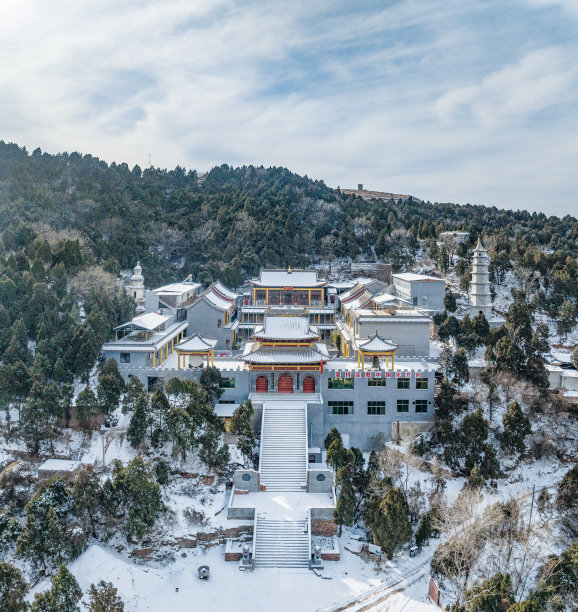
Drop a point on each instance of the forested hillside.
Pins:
(232, 221)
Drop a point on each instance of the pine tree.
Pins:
(346, 501)
(104, 598)
(566, 321)
(18, 347)
(450, 303)
(180, 429)
(86, 493)
(137, 427)
(86, 407)
(516, 428)
(159, 412)
(332, 435)
(241, 425)
(13, 589)
(110, 386)
(337, 455)
(132, 390)
(63, 596)
(391, 527)
(475, 479)
(460, 367)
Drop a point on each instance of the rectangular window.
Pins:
(376, 382)
(125, 357)
(421, 405)
(375, 407)
(403, 383)
(403, 405)
(227, 383)
(340, 383)
(421, 383)
(340, 407)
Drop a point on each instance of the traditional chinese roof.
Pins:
(177, 289)
(196, 344)
(223, 292)
(216, 301)
(288, 278)
(286, 328)
(266, 355)
(376, 344)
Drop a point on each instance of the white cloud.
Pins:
(411, 96)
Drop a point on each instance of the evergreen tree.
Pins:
(86, 408)
(210, 380)
(137, 427)
(86, 493)
(159, 413)
(450, 303)
(133, 389)
(566, 320)
(450, 328)
(492, 595)
(575, 357)
(63, 595)
(346, 501)
(104, 598)
(460, 367)
(516, 428)
(337, 455)
(180, 429)
(444, 403)
(332, 435)
(110, 386)
(425, 526)
(17, 350)
(241, 425)
(134, 492)
(391, 527)
(48, 537)
(13, 589)
(481, 327)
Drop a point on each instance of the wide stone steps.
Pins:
(283, 446)
(282, 544)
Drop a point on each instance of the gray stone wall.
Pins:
(204, 319)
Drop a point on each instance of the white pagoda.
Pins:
(136, 288)
(480, 298)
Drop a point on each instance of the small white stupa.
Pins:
(480, 297)
(136, 287)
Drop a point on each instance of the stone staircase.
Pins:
(283, 454)
(282, 544)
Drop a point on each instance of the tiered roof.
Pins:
(196, 344)
(376, 344)
(290, 328)
(288, 278)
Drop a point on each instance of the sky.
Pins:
(448, 100)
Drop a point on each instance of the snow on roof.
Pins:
(225, 410)
(289, 278)
(387, 298)
(148, 321)
(213, 299)
(376, 344)
(196, 342)
(410, 276)
(177, 289)
(356, 290)
(60, 465)
(360, 301)
(271, 355)
(286, 328)
(223, 292)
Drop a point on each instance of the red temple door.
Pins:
(285, 384)
(309, 384)
(262, 384)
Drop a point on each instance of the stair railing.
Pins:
(261, 442)
(306, 453)
(254, 538)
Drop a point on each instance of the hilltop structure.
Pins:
(136, 287)
(480, 297)
(273, 347)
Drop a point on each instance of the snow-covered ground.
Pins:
(176, 586)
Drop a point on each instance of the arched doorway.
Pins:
(285, 384)
(262, 384)
(309, 384)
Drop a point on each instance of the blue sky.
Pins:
(449, 100)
